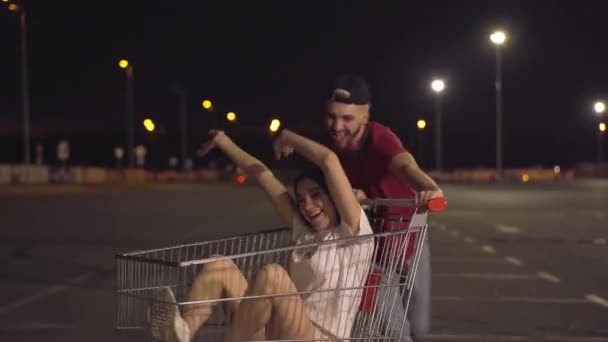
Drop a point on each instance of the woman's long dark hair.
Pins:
(314, 174)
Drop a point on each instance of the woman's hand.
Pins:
(282, 146)
(361, 197)
(215, 137)
(360, 194)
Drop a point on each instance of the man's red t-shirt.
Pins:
(368, 169)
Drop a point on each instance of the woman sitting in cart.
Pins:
(324, 208)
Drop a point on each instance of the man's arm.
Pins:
(404, 166)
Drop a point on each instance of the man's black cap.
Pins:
(350, 88)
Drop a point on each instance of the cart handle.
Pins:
(437, 204)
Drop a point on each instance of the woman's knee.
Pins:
(219, 266)
(272, 272)
(271, 278)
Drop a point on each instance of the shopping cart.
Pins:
(143, 274)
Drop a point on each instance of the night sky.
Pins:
(266, 59)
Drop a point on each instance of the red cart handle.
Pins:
(437, 204)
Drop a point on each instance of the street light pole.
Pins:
(600, 143)
(184, 116)
(600, 107)
(124, 64)
(181, 94)
(20, 10)
(498, 38)
(438, 154)
(421, 125)
(438, 86)
(499, 162)
(25, 85)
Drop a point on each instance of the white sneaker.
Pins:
(166, 323)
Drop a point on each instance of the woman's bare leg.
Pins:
(284, 316)
(218, 279)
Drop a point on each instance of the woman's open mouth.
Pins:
(315, 217)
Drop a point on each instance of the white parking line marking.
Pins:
(553, 215)
(539, 300)
(507, 229)
(470, 337)
(455, 233)
(599, 214)
(595, 299)
(491, 337)
(37, 326)
(513, 261)
(576, 338)
(468, 240)
(488, 249)
(599, 241)
(548, 277)
(462, 213)
(477, 260)
(46, 292)
(503, 276)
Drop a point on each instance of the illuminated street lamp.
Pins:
(438, 86)
(207, 104)
(599, 107)
(124, 64)
(149, 125)
(421, 124)
(274, 125)
(231, 116)
(498, 38)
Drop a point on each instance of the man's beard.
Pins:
(350, 141)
